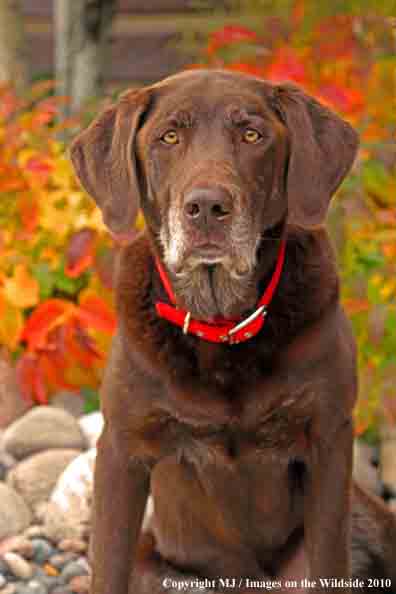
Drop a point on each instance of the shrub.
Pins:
(55, 255)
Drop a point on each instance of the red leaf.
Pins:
(44, 318)
(79, 254)
(95, 313)
(349, 101)
(79, 347)
(228, 35)
(287, 65)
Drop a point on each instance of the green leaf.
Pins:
(91, 398)
(46, 279)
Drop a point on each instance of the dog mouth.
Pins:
(206, 253)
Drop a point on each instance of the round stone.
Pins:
(72, 570)
(42, 550)
(19, 567)
(60, 560)
(72, 545)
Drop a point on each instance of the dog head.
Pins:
(218, 161)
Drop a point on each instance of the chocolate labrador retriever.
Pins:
(232, 377)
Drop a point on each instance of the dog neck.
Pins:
(221, 329)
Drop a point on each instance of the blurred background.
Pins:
(61, 61)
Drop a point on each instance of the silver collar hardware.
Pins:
(186, 322)
(260, 310)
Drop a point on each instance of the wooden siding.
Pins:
(144, 37)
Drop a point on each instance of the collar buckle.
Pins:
(260, 310)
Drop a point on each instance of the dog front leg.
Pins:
(327, 510)
(120, 494)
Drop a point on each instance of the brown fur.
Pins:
(247, 449)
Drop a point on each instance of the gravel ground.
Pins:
(32, 564)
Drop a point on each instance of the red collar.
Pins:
(221, 329)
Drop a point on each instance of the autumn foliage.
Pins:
(347, 61)
(56, 314)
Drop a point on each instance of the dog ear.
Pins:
(104, 158)
(322, 150)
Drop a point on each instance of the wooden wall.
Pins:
(145, 32)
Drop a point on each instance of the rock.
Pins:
(6, 460)
(364, 472)
(19, 567)
(69, 511)
(43, 428)
(80, 584)
(72, 570)
(15, 515)
(35, 477)
(3, 581)
(92, 426)
(71, 402)
(32, 587)
(72, 545)
(12, 404)
(42, 550)
(387, 457)
(35, 531)
(10, 589)
(60, 560)
(17, 544)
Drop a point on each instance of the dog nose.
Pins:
(207, 206)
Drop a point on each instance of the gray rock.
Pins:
(3, 581)
(42, 550)
(4, 569)
(32, 587)
(364, 472)
(60, 560)
(35, 477)
(70, 402)
(43, 428)
(15, 516)
(72, 570)
(19, 566)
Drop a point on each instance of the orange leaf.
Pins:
(95, 313)
(29, 211)
(46, 317)
(354, 306)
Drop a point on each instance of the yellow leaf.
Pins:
(388, 288)
(11, 324)
(22, 290)
(25, 155)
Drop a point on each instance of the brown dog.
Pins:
(233, 404)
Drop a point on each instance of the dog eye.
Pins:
(251, 136)
(170, 137)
